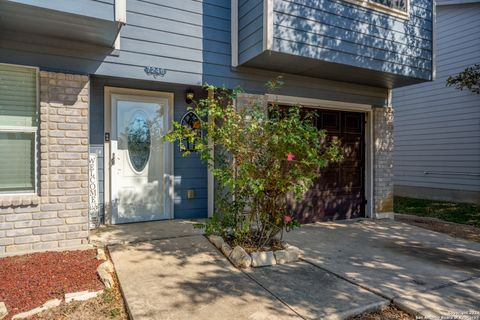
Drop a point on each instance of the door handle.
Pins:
(113, 159)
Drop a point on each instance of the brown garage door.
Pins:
(338, 192)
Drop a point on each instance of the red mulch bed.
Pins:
(28, 281)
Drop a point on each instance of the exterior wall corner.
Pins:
(383, 144)
(56, 216)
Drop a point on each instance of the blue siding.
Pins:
(99, 9)
(190, 172)
(341, 32)
(191, 39)
(437, 128)
(250, 29)
(328, 34)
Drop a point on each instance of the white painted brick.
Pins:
(19, 232)
(45, 230)
(19, 217)
(52, 237)
(70, 243)
(77, 235)
(27, 224)
(27, 239)
(76, 220)
(44, 215)
(6, 226)
(6, 241)
(52, 207)
(45, 245)
(71, 228)
(19, 248)
(52, 222)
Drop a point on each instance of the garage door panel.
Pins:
(339, 190)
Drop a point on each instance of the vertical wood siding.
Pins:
(437, 128)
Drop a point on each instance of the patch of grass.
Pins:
(115, 312)
(108, 295)
(463, 213)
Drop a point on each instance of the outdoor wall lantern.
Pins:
(192, 121)
(189, 95)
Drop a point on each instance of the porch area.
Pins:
(131, 233)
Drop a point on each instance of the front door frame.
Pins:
(343, 106)
(107, 103)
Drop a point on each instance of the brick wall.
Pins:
(383, 161)
(57, 216)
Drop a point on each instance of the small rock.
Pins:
(106, 277)
(281, 256)
(217, 241)
(101, 254)
(104, 271)
(226, 249)
(286, 256)
(240, 258)
(3, 310)
(47, 305)
(81, 296)
(294, 250)
(108, 266)
(263, 259)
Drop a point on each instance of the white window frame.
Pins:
(383, 8)
(22, 129)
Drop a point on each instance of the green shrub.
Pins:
(261, 154)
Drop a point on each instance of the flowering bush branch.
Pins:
(261, 154)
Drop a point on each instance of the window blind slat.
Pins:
(17, 169)
(18, 96)
(18, 108)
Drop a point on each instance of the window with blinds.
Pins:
(18, 128)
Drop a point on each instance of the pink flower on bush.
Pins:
(290, 156)
(287, 218)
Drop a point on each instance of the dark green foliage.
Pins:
(469, 78)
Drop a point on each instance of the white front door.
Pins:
(141, 162)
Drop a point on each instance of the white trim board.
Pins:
(234, 36)
(121, 11)
(267, 25)
(318, 103)
(210, 176)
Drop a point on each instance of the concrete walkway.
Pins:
(143, 231)
(188, 278)
(349, 268)
(424, 271)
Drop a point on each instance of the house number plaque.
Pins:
(155, 71)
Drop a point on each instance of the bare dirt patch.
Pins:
(390, 312)
(30, 280)
(107, 306)
(456, 230)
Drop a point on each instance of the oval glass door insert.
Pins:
(139, 141)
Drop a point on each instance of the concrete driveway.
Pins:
(424, 271)
(188, 278)
(349, 268)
